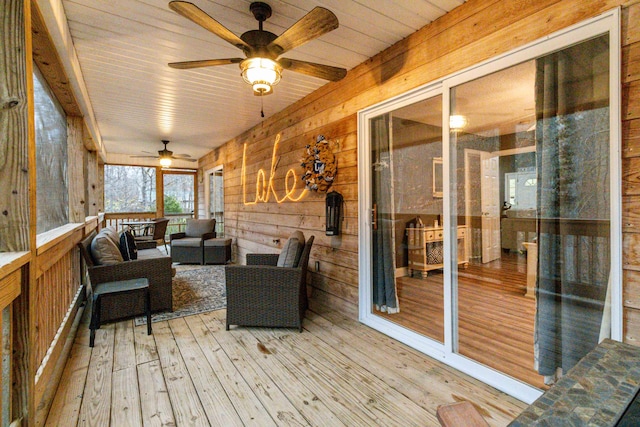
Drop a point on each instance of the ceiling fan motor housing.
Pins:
(260, 10)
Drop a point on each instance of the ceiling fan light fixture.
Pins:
(261, 73)
(165, 162)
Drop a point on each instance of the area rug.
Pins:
(195, 290)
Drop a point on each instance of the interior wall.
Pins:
(471, 33)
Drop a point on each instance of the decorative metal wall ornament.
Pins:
(320, 165)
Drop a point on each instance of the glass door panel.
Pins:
(216, 200)
(530, 180)
(407, 234)
(179, 199)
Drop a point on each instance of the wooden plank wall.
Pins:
(476, 31)
(631, 171)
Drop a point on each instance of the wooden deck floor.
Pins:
(496, 320)
(191, 372)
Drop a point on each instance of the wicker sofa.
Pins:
(151, 263)
(263, 294)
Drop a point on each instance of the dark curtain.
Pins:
(572, 144)
(384, 285)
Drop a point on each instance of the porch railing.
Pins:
(176, 224)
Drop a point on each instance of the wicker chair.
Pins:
(153, 234)
(188, 246)
(263, 294)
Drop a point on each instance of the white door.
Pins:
(490, 195)
(214, 198)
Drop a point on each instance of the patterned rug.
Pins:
(196, 289)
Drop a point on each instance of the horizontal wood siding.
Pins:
(471, 33)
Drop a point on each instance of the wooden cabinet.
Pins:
(426, 252)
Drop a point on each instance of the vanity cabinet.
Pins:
(426, 252)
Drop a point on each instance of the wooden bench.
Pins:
(460, 414)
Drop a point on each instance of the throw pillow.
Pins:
(288, 254)
(128, 246)
(104, 251)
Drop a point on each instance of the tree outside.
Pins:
(129, 189)
(171, 205)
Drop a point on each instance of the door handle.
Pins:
(374, 217)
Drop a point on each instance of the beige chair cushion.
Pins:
(198, 227)
(104, 251)
(292, 250)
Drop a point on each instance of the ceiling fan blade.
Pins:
(181, 156)
(184, 159)
(144, 157)
(314, 24)
(204, 63)
(200, 17)
(326, 72)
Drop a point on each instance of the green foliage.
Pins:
(171, 205)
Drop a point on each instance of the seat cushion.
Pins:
(217, 242)
(104, 251)
(198, 227)
(291, 251)
(187, 242)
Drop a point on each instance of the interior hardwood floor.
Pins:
(192, 372)
(496, 320)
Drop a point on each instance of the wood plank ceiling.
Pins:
(124, 46)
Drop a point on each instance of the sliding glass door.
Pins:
(535, 149)
(490, 211)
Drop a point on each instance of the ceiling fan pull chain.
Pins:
(262, 105)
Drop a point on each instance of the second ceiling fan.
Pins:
(263, 65)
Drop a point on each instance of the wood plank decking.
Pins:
(191, 372)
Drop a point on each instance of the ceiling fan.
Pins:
(166, 156)
(262, 67)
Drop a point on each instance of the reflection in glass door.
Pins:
(531, 303)
(407, 234)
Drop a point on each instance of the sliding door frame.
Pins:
(608, 22)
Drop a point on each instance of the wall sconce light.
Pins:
(457, 122)
(333, 204)
(261, 73)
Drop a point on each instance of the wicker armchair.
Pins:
(263, 294)
(153, 234)
(188, 246)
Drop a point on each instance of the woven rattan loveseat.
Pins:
(151, 263)
(263, 294)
